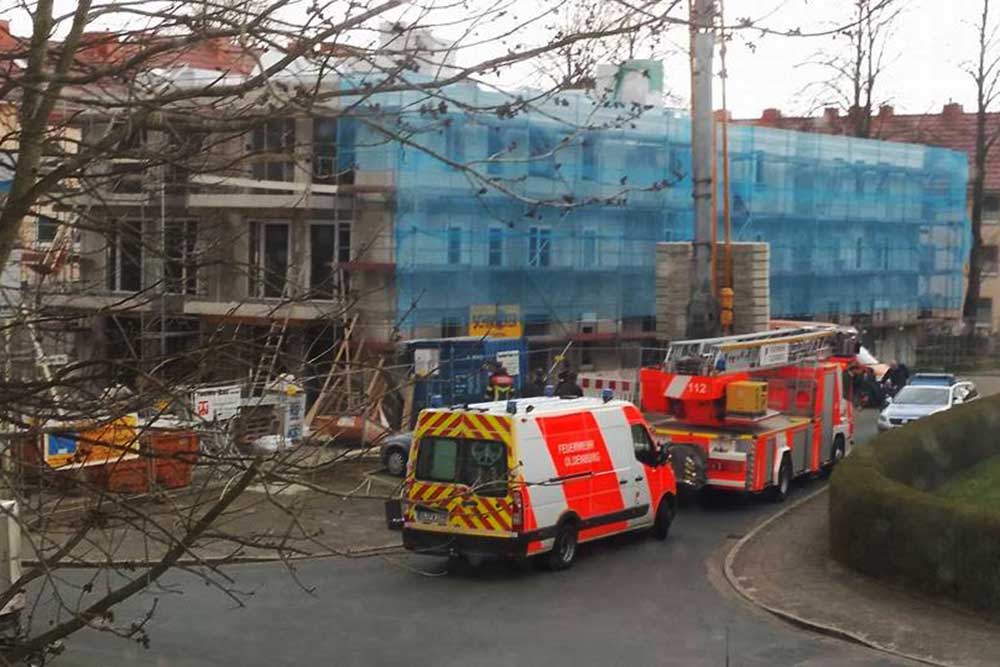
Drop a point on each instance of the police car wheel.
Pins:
(664, 517)
(563, 547)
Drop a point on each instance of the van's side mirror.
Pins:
(662, 455)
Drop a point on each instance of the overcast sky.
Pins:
(932, 39)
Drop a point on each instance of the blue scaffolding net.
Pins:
(557, 207)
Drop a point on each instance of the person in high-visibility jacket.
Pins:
(500, 385)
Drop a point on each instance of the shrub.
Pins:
(884, 522)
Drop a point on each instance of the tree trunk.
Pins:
(972, 292)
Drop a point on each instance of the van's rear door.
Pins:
(459, 479)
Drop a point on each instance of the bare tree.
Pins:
(153, 102)
(855, 65)
(985, 73)
(125, 107)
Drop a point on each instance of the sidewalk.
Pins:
(786, 568)
(266, 522)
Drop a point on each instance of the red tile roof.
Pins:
(97, 48)
(952, 128)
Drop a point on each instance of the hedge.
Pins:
(885, 523)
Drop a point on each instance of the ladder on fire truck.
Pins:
(756, 351)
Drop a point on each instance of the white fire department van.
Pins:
(533, 476)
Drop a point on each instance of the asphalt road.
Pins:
(631, 600)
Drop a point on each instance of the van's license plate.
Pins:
(430, 516)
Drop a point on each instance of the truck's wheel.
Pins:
(664, 517)
(563, 547)
(780, 490)
(839, 451)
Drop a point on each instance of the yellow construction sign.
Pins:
(495, 321)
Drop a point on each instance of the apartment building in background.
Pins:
(416, 217)
(952, 128)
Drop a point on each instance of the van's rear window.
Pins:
(481, 464)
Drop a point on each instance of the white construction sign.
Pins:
(511, 360)
(217, 403)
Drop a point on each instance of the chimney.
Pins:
(952, 111)
(771, 116)
(726, 115)
(100, 44)
(886, 111)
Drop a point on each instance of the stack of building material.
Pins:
(751, 287)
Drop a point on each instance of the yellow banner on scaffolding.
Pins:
(500, 321)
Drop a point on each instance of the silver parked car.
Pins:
(395, 451)
(920, 400)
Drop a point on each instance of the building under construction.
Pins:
(421, 218)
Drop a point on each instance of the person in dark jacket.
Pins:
(567, 386)
(536, 386)
(897, 375)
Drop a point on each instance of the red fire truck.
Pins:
(748, 413)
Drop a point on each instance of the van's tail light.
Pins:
(517, 512)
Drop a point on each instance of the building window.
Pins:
(495, 150)
(759, 169)
(588, 158)
(329, 244)
(589, 253)
(990, 259)
(269, 246)
(539, 247)
(454, 245)
(884, 254)
(181, 266)
(642, 165)
(543, 159)
(46, 229)
(326, 157)
(984, 311)
(454, 144)
(451, 327)
(124, 267)
(669, 224)
(495, 246)
(858, 247)
(536, 325)
(991, 209)
(188, 152)
(274, 142)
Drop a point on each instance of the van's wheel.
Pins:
(664, 517)
(780, 490)
(563, 547)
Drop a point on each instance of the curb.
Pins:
(800, 621)
(356, 552)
